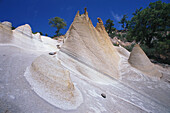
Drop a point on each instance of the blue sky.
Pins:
(37, 12)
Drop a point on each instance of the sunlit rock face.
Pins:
(7, 25)
(36, 78)
(91, 46)
(25, 29)
(5, 32)
(37, 36)
(139, 60)
(52, 82)
(59, 78)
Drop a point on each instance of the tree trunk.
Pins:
(57, 32)
(148, 42)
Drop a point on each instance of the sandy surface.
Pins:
(17, 96)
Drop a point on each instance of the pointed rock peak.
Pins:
(26, 26)
(25, 29)
(100, 20)
(81, 16)
(137, 49)
(137, 46)
(100, 27)
(78, 14)
(7, 25)
(138, 57)
(139, 60)
(85, 11)
(81, 38)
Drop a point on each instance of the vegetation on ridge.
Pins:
(58, 23)
(150, 27)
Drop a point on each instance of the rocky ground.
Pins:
(125, 89)
(17, 95)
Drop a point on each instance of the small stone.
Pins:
(58, 46)
(52, 53)
(103, 95)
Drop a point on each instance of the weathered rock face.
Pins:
(139, 60)
(55, 77)
(25, 29)
(37, 36)
(86, 52)
(5, 32)
(7, 25)
(91, 46)
(22, 37)
(52, 82)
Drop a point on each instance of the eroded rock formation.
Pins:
(52, 82)
(25, 29)
(91, 46)
(85, 67)
(7, 25)
(139, 60)
(5, 32)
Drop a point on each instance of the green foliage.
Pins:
(122, 36)
(149, 51)
(109, 26)
(151, 28)
(37, 32)
(58, 23)
(136, 12)
(116, 44)
(124, 22)
(158, 53)
(151, 23)
(112, 34)
(13, 27)
(46, 34)
(34, 32)
(41, 33)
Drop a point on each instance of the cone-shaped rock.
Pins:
(52, 82)
(25, 29)
(139, 60)
(91, 46)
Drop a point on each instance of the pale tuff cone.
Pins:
(139, 60)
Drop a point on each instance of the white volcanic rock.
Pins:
(25, 29)
(7, 25)
(49, 42)
(52, 82)
(90, 46)
(6, 34)
(123, 51)
(87, 69)
(22, 36)
(139, 60)
(37, 36)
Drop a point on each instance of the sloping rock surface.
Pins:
(139, 60)
(91, 45)
(25, 29)
(22, 37)
(35, 83)
(53, 83)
